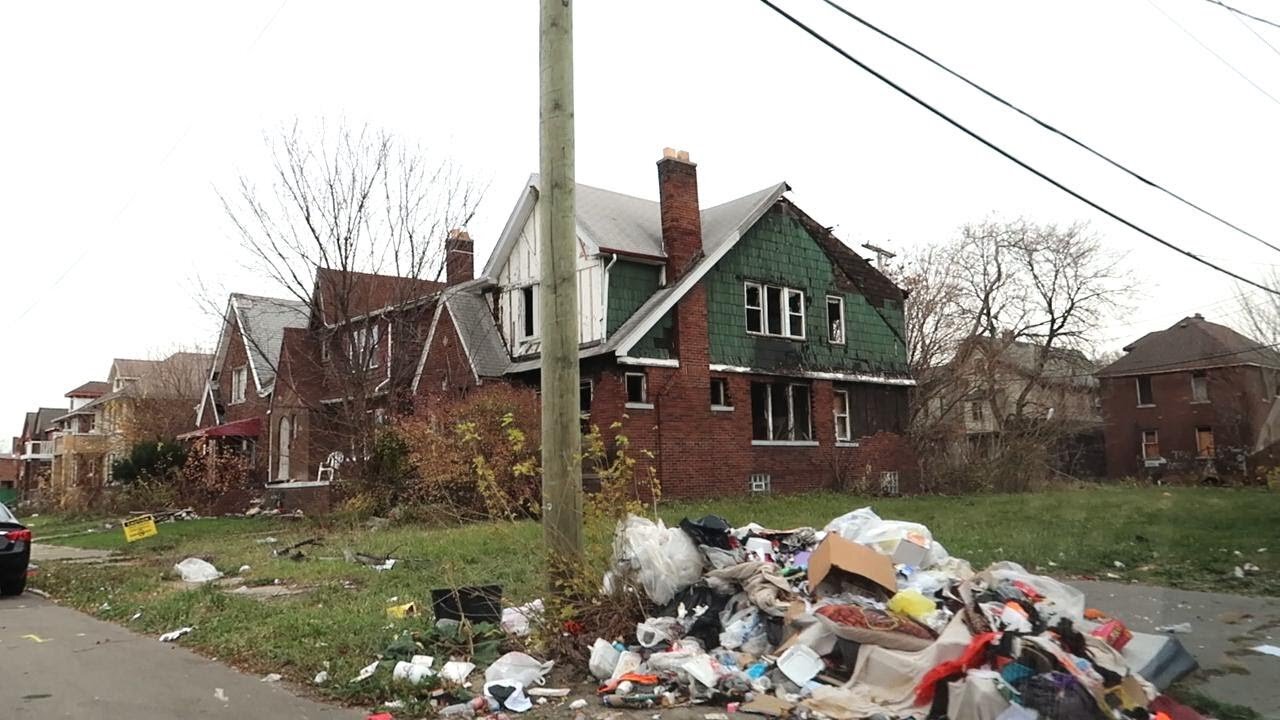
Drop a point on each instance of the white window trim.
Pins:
(534, 311)
(374, 338)
(643, 403)
(239, 384)
(843, 328)
(847, 425)
(1142, 439)
(791, 411)
(720, 407)
(1137, 392)
(785, 312)
(785, 443)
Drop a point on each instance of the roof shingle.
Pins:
(1190, 343)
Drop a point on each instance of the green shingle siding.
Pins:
(630, 284)
(777, 250)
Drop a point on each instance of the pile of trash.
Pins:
(865, 618)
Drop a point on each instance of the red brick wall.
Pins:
(9, 470)
(447, 372)
(1238, 405)
(681, 216)
(253, 406)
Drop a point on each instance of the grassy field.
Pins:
(1183, 537)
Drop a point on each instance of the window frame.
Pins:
(527, 321)
(1151, 393)
(770, 429)
(1203, 377)
(977, 413)
(1200, 454)
(584, 416)
(1144, 443)
(785, 314)
(832, 338)
(724, 405)
(643, 403)
(847, 416)
(239, 384)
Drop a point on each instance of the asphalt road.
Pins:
(58, 663)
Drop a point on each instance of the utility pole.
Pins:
(557, 230)
(881, 254)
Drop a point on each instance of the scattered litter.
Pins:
(1179, 628)
(195, 570)
(321, 678)
(547, 692)
(272, 678)
(1251, 569)
(411, 672)
(243, 569)
(380, 716)
(35, 639)
(1237, 572)
(800, 663)
(516, 620)
(294, 551)
(400, 612)
(519, 668)
(267, 541)
(1272, 650)
(366, 672)
(578, 704)
(509, 694)
(456, 671)
(135, 616)
(174, 635)
(1119, 565)
(220, 695)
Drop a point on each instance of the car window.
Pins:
(5, 515)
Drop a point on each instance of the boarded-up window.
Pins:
(1204, 442)
(1150, 444)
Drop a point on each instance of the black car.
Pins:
(15, 553)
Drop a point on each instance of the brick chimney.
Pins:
(459, 259)
(681, 219)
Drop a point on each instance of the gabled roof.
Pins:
(43, 419)
(262, 323)
(91, 389)
(476, 327)
(1188, 344)
(343, 295)
(129, 368)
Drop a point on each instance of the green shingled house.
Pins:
(743, 344)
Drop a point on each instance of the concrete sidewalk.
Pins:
(59, 663)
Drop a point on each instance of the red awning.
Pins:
(251, 427)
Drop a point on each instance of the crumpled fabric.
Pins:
(976, 697)
(762, 583)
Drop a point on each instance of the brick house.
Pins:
(1192, 400)
(34, 448)
(743, 344)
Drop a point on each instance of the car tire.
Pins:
(13, 586)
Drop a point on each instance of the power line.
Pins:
(1043, 124)
(1212, 52)
(1008, 156)
(1237, 11)
(1256, 34)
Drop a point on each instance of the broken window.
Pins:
(835, 320)
(753, 296)
(976, 412)
(1204, 442)
(1150, 445)
(528, 313)
(773, 310)
(239, 383)
(1144, 391)
(637, 393)
(1199, 387)
(844, 433)
(781, 411)
(719, 393)
(584, 405)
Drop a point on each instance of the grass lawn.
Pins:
(1180, 537)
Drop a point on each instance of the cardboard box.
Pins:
(836, 555)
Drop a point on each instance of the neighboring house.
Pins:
(35, 450)
(10, 467)
(743, 344)
(1193, 400)
(233, 408)
(141, 400)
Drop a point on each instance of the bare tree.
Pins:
(1260, 312)
(344, 204)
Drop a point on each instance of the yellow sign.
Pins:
(143, 526)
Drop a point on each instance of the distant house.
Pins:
(34, 449)
(10, 466)
(743, 344)
(1193, 399)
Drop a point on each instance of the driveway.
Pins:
(59, 663)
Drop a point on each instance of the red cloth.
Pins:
(1173, 708)
(971, 658)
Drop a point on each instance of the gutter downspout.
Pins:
(604, 315)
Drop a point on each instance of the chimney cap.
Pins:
(673, 154)
(459, 234)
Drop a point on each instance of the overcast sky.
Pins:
(121, 119)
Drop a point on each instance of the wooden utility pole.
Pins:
(557, 231)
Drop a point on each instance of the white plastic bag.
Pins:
(866, 527)
(661, 560)
(604, 658)
(516, 620)
(1067, 601)
(518, 667)
(195, 570)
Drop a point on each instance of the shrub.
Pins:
(478, 455)
(150, 460)
(213, 473)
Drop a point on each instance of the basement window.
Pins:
(528, 312)
(835, 320)
(637, 391)
(774, 310)
(720, 394)
(781, 413)
(760, 483)
(1145, 398)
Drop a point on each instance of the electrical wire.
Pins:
(1256, 34)
(1063, 134)
(1007, 155)
(1237, 11)
(1212, 52)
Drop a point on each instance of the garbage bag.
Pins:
(1059, 696)
(711, 530)
(195, 570)
(1066, 600)
(518, 667)
(516, 620)
(604, 658)
(661, 560)
(866, 527)
(912, 604)
(705, 627)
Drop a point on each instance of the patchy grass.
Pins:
(1182, 537)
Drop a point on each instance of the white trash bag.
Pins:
(662, 560)
(518, 667)
(195, 570)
